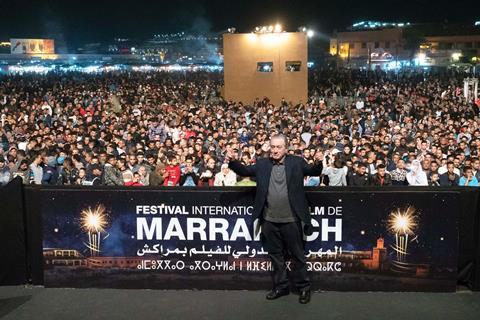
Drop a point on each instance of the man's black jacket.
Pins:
(296, 169)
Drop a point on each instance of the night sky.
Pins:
(77, 22)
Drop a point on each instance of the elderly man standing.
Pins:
(281, 206)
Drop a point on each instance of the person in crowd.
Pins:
(382, 118)
(335, 171)
(399, 174)
(81, 177)
(173, 173)
(381, 178)
(136, 180)
(96, 179)
(468, 179)
(449, 178)
(22, 171)
(67, 173)
(50, 172)
(359, 178)
(112, 175)
(5, 174)
(434, 180)
(207, 173)
(189, 177)
(416, 176)
(144, 175)
(157, 176)
(36, 170)
(225, 178)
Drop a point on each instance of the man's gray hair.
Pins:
(280, 136)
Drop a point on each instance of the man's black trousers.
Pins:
(284, 240)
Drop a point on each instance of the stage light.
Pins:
(252, 36)
(273, 39)
(310, 33)
(270, 29)
(278, 27)
(420, 58)
(456, 56)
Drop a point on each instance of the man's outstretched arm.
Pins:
(242, 170)
(238, 167)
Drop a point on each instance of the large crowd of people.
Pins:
(174, 129)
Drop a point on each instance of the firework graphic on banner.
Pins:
(402, 223)
(94, 221)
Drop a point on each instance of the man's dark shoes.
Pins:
(275, 294)
(304, 297)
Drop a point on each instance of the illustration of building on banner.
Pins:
(377, 259)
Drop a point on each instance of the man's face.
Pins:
(278, 149)
(476, 164)
(362, 170)
(211, 163)
(426, 165)
(450, 167)
(136, 177)
(381, 172)
(151, 160)
(456, 162)
(132, 160)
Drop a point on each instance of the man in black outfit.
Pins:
(281, 206)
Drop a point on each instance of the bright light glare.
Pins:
(456, 56)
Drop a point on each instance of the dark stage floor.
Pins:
(39, 303)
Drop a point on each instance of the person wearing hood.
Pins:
(416, 176)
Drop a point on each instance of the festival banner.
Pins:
(206, 239)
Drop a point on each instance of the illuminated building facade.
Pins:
(273, 65)
(444, 50)
(355, 47)
(393, 45)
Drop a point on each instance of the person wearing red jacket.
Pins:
(173, 172)
(135, 181)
